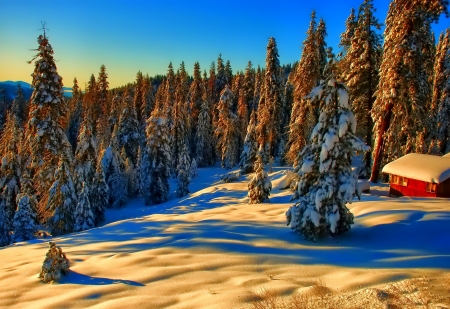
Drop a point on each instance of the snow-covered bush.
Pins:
(55, 264)
(260, 185)
(231, 176)
(327, 181)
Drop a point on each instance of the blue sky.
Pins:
(128, 36)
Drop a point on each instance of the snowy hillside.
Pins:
(212, 249)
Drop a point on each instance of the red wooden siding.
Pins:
(419, 188)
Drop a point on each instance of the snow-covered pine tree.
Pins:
(148, 102)
(249, 87)
(360, 72)
(270, 104)
(179, 132)
(221, 79)
(258, 86)
(260, 185)
(55, 264)
(99, 198)
(46, 141)
(75, 114)
(443, 115)
(138, 96)
(195, 99)
(102, 108)
(193, 172)
(19, 106)
(84, 217)
(11, 163)
(327, 181)
(131, 175)
(321, 33)
(226, 132)
(25, 221)
(128, 129)
(90, 97)
(158, 149)
(85, 155)
(346, 40)
(248, 155)
(242, 118)
(404, 88)
(183, 173)
(203, 139)
(5, 226)
(306, 77)
(62, 200)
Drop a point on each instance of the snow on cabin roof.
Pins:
(422, 167)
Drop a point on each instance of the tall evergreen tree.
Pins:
(306, 77)
(62, 200)
(158, 148)
(195, 98)
(102, 104)
(99, 198)
(84, 217)
(183, 172)
(360, 74)
(346, 38)
(75, 114)
(327, 181)
(148, 102)
(248, 155)
(5, 226)
(203, 138)
(270, 105)
(443, 114)
(404, 89)
(128, 129)
(260, 185)
(249, 87)
(19, 106)
(138, 98)
(226, 131)
(46, 142)
(321, 33)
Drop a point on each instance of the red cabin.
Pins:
(419, 175)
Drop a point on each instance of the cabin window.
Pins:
(431, 187)
(394, 179)
(404, 181)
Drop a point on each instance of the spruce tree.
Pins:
(248, 155)
(148, 102)
(5, 226)
(99, 198)
(75, 114)
(158, 149)
(362, 63)
(270, 104)
(102, 106)
(306, 77)
(25, 221)
(195, 98)
(183, 173)
(404, 89)
(46, 141)
(443, 114)
(128, 129)
(226, 131)
(260, 185)
(11, 163)
(19, 106)
(327, 181)
(203, 139)
(62, 200)
(84, 217)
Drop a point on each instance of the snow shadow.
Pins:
(76, 278)
(420, 240)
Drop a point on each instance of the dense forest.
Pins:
(65, 160)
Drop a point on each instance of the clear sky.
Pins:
(128, 36)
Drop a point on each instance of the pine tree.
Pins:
(5, 224)
(443, 115)
(158, 149)
(55, 264)
(362, 63)
(128, 129)
(138, 98)
(203, 139)
(62, 200)
(19, 106)
(221, 79)
(148, 102)
(327, 181)
(404, 89)
(248, 155)
(102, 106)
(75, 114)
(195, 98)
(84, 217)
(226, 133)
(270, 104)
(46, 142)
(193, 172)
(183, 172)
(260, 185)
(346, 39)
(11, 163)
(258, 85)
(307, 76)
(249, 87)
(99, 198)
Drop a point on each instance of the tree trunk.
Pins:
(380, 143)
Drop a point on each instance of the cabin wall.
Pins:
(443, 189)
(413, 188)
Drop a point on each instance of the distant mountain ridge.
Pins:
(11, 87)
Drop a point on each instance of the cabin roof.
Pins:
(422, 167)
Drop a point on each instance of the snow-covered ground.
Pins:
(213, 250)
